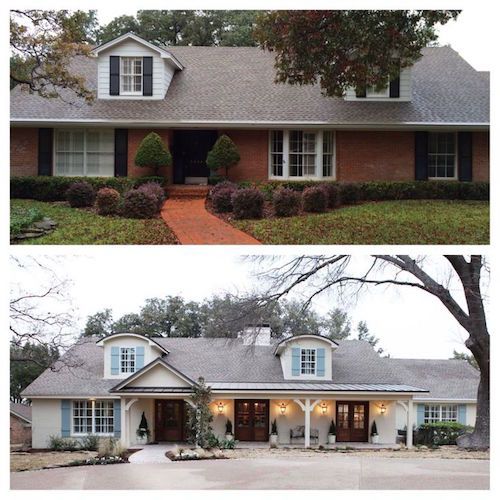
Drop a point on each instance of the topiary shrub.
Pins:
(222, 199)
(154, 189)
(107, 201)
(349, 193)
(139, 205)
(314, 199)
(332, 192)
(223, 185)
(286, 202)
(224, 154)
(248, 204)
(153, 153)
(80, 194)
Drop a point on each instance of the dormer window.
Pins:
(131, 76)
(308, 361)
(127, 360)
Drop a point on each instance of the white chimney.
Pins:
(256, 334)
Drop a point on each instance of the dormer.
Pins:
(129, 67)
(398, 89)
(306, 357)
(126, 353)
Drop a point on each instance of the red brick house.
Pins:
(430, 123)
(20, 425)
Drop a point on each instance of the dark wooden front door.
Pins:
(251, 418)
(352, 421)
(190, 150)
(169, 420)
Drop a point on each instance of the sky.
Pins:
(409, 322)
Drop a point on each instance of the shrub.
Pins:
(58, 443)
(223, 185)
(90, 442)
(107, 447)
(349, 193)
(80, 194)
(154, 189)
(332, 192)
(286, 202)
(222, 195)
(153, 153)
(248, 204)
(314, 199)
(213, 180)
(332, 429)
(440, 433)
(224, 154)
(139, 205)
(107, 201)
(229, 427)
(21, 218)
(374, 431)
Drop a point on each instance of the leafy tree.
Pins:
(336, 325)
(224, 154)
(300, 320)
(238, 28)
(346, 48)
(364, 334)
(99, 324)
(118, 27)
(153, 153)
(199, 416)
(129, 323)
(467, 357)
(43, 43)
(164, 27)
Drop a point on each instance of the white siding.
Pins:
(305, 343)
(134, 416)
(158, 376)
(404, 91)
(470, 416)
(163, 71)
(46, 415)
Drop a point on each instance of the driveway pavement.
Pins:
(326, 472)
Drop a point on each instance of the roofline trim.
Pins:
(281, 344)
(447, 400)
(251, 124)
(313, 391)
(18, 415)
(125, 334)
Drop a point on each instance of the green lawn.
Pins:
(412, 222)
(82, 227)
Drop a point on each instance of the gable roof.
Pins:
(234, 87)
(150, 340)
(21, 411)
(280, 345)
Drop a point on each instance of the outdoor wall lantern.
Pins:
(283, 408)
(383, 409)
(324, 407)
(220, 407)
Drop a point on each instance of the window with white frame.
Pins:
(89, 152)
(131, 75)
(93, 417)
(308, 361)
(127, 359)
(442, 155)
(440, 413)
(302, 154)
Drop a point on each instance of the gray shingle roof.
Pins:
(22, 410)
(224, 362)
(236, 84)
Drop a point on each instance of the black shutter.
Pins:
(114, 75)
(121, 152)
(147, 76)
(45, 150)
(465, 156)
(394, 87)
(421, 155)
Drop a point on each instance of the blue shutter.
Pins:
(420, 414)
(65, 417)
(295, 360)
(462, 414)
(117, 415)
(139, 357)
(320, 368)
(115, 360)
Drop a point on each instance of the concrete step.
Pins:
(186, 191)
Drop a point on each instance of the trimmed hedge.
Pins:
(107, 201)
(139, 205)
(286, 202)
(440, 433)
(248, 204)
(48, 188)
(314, 199)
(154, 189)
(80, 194)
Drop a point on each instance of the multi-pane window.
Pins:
(442, 156)
(84, 152)
(93, 417)
(131, 75)
(277, 153)
(327, 153)
(308, 361)
(440, 413)
(127, 359)
(302, 153)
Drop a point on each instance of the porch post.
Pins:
(409, 425)
(123, 415)
(307, 430)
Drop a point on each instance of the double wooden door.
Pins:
(251, 417)
(352, 421)
(169, 420)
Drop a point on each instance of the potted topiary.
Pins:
(274, 434)
(143, 431)
(229, 430)
(332, 431)
(153, 153)
(374, 433)
(224, 154)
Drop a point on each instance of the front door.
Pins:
(190, 151)
(352, 421)
(169, 420)
(251, 418)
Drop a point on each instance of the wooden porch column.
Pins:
(307, 430)
(123, 417)
(409, 425)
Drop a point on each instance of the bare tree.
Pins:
(321, 273)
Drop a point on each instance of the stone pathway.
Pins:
(151, 454)
(188, 218)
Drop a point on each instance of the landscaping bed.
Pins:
(21, 461)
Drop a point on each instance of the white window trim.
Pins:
(135, 360)
(84, 434)
(315, 361)
(455, 177)
(318, 167)
(440, 418)
(130, 92)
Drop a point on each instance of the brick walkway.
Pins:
(193, 225)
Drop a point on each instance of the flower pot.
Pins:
(332, 438)
(142, 440)
(375, 439)
(229, 437)
(273, 439)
